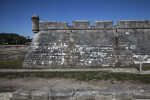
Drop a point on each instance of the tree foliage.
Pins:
(13, 39)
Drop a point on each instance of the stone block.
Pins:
(21, 94)
(40, 94)
(104, 96)
(47, 25)
(141, 95)
(81, 24)
(43, 25)
(84, 95)
(63, 94)
(6, 96)
(103, 24)
(123, 96)
(62, 25)
(133, 24)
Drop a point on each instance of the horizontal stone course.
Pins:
(133, 24)
(97, 24)
(80, 94)
(103, 24)
(52, 25)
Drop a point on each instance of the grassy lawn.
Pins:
(83, 76)
(12, 51)
(11, 64)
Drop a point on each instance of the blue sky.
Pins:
(15, 15)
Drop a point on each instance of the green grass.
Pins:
(11, 64)
(83, 76)
(12, 51)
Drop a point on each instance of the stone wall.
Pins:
(103, 44)
(76, 94)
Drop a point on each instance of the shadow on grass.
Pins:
(11, 64)
(82, 76)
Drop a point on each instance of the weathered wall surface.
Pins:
(103, 44)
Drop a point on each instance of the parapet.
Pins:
(121, 24)
(45, 25)
(133, 24)
(103, 24)
(81, 24)
(52, 25)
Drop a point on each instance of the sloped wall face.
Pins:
(81, 45)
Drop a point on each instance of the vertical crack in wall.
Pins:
(71, 57)
(117, 58)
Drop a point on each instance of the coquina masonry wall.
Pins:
(103, 44)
